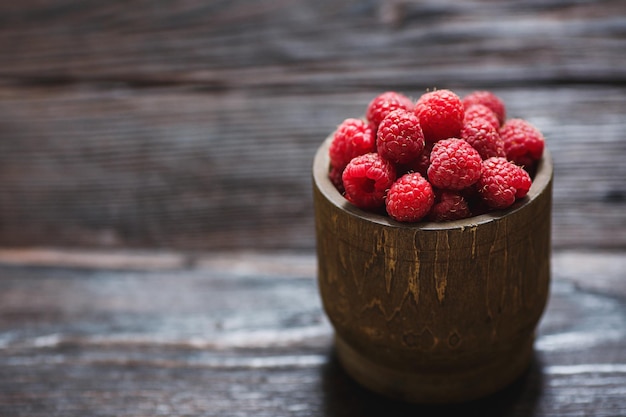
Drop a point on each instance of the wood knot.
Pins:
(454, 340)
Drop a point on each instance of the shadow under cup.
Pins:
(433, 312)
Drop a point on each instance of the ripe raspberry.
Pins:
(335, 177)
(352, 138)
(489, 99)
(501, 182)
(385, 103)
(440, 114)
(523, 143)
(400, 138)
(366, 180)
(449, 205)
(483, 137)
(454, 164)
(474, 200)
(479, 110)
(410, 198)
(419, 164)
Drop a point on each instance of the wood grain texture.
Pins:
(313, 45)
(433, 312)
(193, 125)
(214, 340)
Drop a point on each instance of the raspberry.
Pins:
(352, 138)
(335, 177)
(440, 114)
(410, 198)
(442, 159)
(502, 182)
(523, 143)
(483, 137)
(448, 206)
(454, 164)
(479, 110)
(489, 99)
(400, 138)
(474, 200)
(419, 164)
(366, 180)
(385, 103)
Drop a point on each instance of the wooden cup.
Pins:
(433, 312)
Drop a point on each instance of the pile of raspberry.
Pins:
(440, 158)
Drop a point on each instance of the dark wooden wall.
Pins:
(192, 125)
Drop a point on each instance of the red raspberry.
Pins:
(454, 164)
(475, 201)
(489, 99)
(501, 182)
(400, 138)
(419, 164)
(366, 180)
(449, 206)
(410, 198)
(479, 110)
(384, 104)
(335, 177)
(523, 143)
(440, 114)
(352, 138)
(483, 137)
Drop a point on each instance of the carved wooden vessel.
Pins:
(433, 312)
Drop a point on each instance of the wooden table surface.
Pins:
(157, 252)
(140, 334)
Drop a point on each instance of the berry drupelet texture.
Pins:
(523, 142)
(385, 103)
(441, 114)
(449, 205)
(481, 111)
(366, 180)
(400, 138)
(489, 99)
(502, 182)
(410, 198)
(454, 164)
(440, 159)
(482, 136)
(352, 138)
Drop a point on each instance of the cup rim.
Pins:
(321, 163)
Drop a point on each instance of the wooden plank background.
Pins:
(192, 125)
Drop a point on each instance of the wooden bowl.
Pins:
(433, 312)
